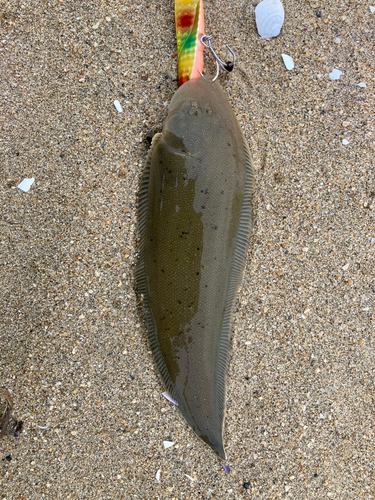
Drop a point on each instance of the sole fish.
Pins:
(195, 220)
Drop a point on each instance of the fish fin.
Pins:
(236, 276)
(140, 271)
(143, 204)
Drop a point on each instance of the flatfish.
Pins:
(195, 220)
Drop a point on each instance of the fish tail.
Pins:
(189, 28)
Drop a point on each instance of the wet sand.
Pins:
(73, 348)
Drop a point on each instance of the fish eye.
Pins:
(194, 108)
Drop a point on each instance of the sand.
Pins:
(74, 354)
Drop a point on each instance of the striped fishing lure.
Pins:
(189, 28)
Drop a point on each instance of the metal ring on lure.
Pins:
(226, 66)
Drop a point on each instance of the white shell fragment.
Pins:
(345, 142)
(346, 267)
(362, 84)
(157, 475)
(288, 61)
(118, 106)
(191, 478)
(335, 74)
(168, 444)
(269, 18)
(26, 184)
(337, 40)
(372, 8)
(167, 396)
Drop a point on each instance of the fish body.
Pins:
(195, 221)
(189, 19)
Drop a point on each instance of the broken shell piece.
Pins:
(362, 84)
(157, 475)
(118, 106)
(167, 396)
(168, 444)
(191, 478)
(26, 184)
(288, 61)
(345, 142)
(269, 18)
(335, 74)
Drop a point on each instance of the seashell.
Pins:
(288, 61)
(269, 18)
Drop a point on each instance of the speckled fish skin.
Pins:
(195, 221)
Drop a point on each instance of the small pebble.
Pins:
(337, 40)
(362, 84)
(345, 142)
(246, 486)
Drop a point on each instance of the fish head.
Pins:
(194, 115)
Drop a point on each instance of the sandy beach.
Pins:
(73, 349)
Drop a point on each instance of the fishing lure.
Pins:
(195, 220)
(189, 29)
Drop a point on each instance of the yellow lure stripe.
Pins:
(189, 28)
